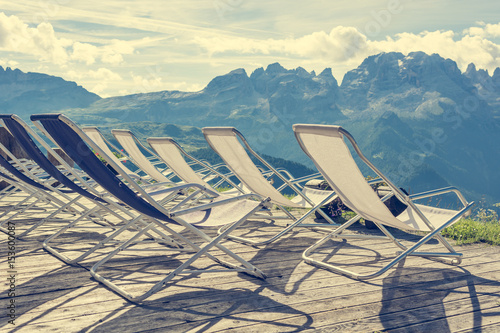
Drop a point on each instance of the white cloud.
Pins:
(84, 52)
(100, 74)
(112, 53)
(96, 81)
(469, 48)
(485, 31)
(183, 86)
(152, 82)
(146, 84)
(16, 36)
(335, 46)
(347, 45)
(8, 63)
(42, 42)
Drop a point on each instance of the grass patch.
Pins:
(222, 189)
(469, 231)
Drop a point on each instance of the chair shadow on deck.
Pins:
(280, 259)
(413, 299)
(203, 309)
(48, 287)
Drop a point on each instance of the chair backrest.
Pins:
(167, 149)
(17, 173)
(96, 136)
(71, 139)
(225, 142)
(19, 129)
(325, 146)
(128, 141)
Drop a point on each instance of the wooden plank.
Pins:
(62, 298)
(361, 318)
(175, 306)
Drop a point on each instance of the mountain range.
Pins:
(25, 93)
(417, 116)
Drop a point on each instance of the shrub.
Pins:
(468, 231)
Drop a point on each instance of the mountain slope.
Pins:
(417, 116)
(29, 93)
(426, 123)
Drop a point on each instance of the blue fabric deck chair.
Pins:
(18, 192)
(338, 167)
(225, 141)
(16, 198)
(42, 192)
(233, 212)
(86, 203)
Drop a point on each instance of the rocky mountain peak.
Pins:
(231, 80)
(415, 85)
(301, 72)
(327, 76)
(275, 69)
(471, 69)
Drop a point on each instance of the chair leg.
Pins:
(16, 206)
(288, 228)
(245, 267)
(401, 255)
(136, 223)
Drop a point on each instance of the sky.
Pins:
(124, 47)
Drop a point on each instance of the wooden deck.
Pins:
(419, 295)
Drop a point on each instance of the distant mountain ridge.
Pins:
(29, 93)
(416, 116)
(234, 98)
(416, 86)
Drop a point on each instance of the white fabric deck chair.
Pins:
(187, 175)
(232, 212)
(342, 173)
(132, 146)
(173, 155)
(95, 134)
(224, 141)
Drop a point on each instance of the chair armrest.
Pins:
(444, 190)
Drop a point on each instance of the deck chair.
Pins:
(338, 167)
(233, 212)
(133, 147)
(28, 198)
(95, 134)
(173, 155)
(39, 189)
(224, 141)
(146, 171)
(176, 165)
(15, 188)
(69, 196)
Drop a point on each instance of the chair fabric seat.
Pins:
(315, 195)
(126, 140)
(220, 215)
(437, 216)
